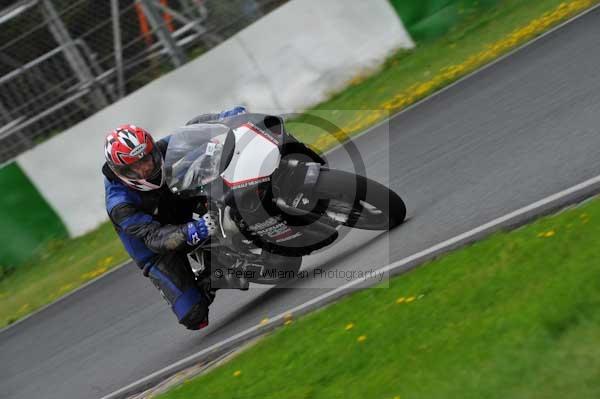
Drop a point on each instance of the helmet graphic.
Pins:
(133, 156)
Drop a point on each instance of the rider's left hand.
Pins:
(201, 229)
(238, 110)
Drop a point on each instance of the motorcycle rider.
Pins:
(155, 225)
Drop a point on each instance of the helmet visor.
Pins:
(146, 168)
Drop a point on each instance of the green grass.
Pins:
(44, 279)
(60, 267)
(516, 315)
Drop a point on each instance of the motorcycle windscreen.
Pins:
(193, 157)
(255, 159)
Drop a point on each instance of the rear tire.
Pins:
(368, 204)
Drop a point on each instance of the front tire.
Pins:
(364, 203)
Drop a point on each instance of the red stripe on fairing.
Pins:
(237, 183)
(260, 133)
(285, 234)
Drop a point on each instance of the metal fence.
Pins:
(63, 60)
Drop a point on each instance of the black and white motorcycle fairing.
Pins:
(275, 198)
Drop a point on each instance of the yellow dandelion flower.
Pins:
(287, 322)
(400, 300)
(424, 88)
(106, 261)
(410, 299)
(94, 273)
(349, 326)
(65, 288)
(237, 373)
(546, 234)
(362, 338)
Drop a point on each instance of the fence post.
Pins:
(74, 57)
(4, 115)
(114, 8)
(163, 34)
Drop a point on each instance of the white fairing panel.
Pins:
(255, 158)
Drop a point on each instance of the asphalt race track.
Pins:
(523, 129)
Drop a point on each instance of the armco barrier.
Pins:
(293, 58)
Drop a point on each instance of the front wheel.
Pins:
(359, 202)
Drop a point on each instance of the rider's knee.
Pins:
(179, 288)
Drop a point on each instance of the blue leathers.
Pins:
(153, 226)
(157, 230)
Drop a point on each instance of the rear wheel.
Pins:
(359, 202)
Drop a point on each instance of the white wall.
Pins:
(289, 60)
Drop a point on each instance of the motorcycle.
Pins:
(275, 198)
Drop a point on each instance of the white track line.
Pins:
(325, 298)
(67, 295)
